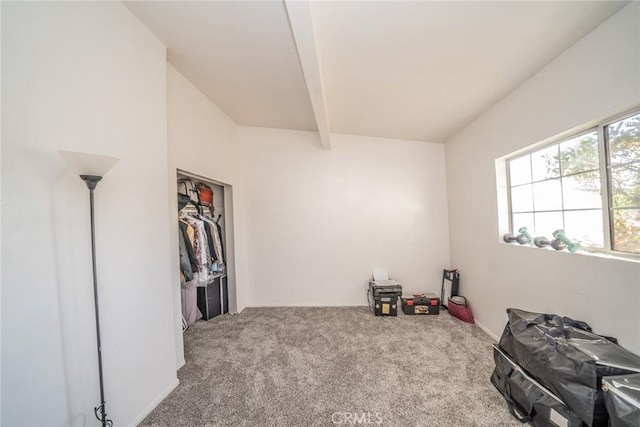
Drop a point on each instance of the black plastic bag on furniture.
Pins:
(622, 397)
(528, 400)
(567, 358)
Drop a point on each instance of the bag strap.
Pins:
(519, 413)
(516, 410)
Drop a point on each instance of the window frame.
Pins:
(610, 206)
(604, 169)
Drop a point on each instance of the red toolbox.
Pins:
(420, 304)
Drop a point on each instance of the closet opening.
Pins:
(206, 248)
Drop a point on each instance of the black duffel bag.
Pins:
(567, 358)
(528, 400)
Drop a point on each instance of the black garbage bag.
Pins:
(622, 397)
(528, 400)
(567, 358)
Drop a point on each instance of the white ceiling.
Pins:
(416, 70)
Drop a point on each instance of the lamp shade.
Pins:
(88, 164)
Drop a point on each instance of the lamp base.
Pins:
(91, 180)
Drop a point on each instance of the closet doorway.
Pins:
(206, 248)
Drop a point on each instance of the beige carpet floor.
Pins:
(333, 366)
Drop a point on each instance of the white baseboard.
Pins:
(181, 363)
(155, 403)
(487, 331)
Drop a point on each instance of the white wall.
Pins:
(86, 77)
(318, 221)
(597, 77)
(202, 140)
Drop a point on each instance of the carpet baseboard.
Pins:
(180, 364)
(487, 331)
(155, 402)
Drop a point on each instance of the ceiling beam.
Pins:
(304, 36)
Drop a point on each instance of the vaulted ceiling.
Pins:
(417, 70)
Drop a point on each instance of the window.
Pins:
(587, 185)
(623, 143)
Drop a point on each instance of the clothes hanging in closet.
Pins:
(215, 230)
(202, 257)
(207, 228)
(189, 273)
(220, 245)
(200, 247)
(188, 262)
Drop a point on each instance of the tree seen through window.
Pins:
(560, 187)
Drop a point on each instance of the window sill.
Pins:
(621, 256)
(617, 256)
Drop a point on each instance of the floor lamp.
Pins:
(91, 168)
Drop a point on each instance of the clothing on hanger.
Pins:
(200, 247)
(187, 247)
(222, 255)
(216, 232)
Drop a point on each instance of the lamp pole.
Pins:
(100, 411)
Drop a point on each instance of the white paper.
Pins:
(381, 273)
